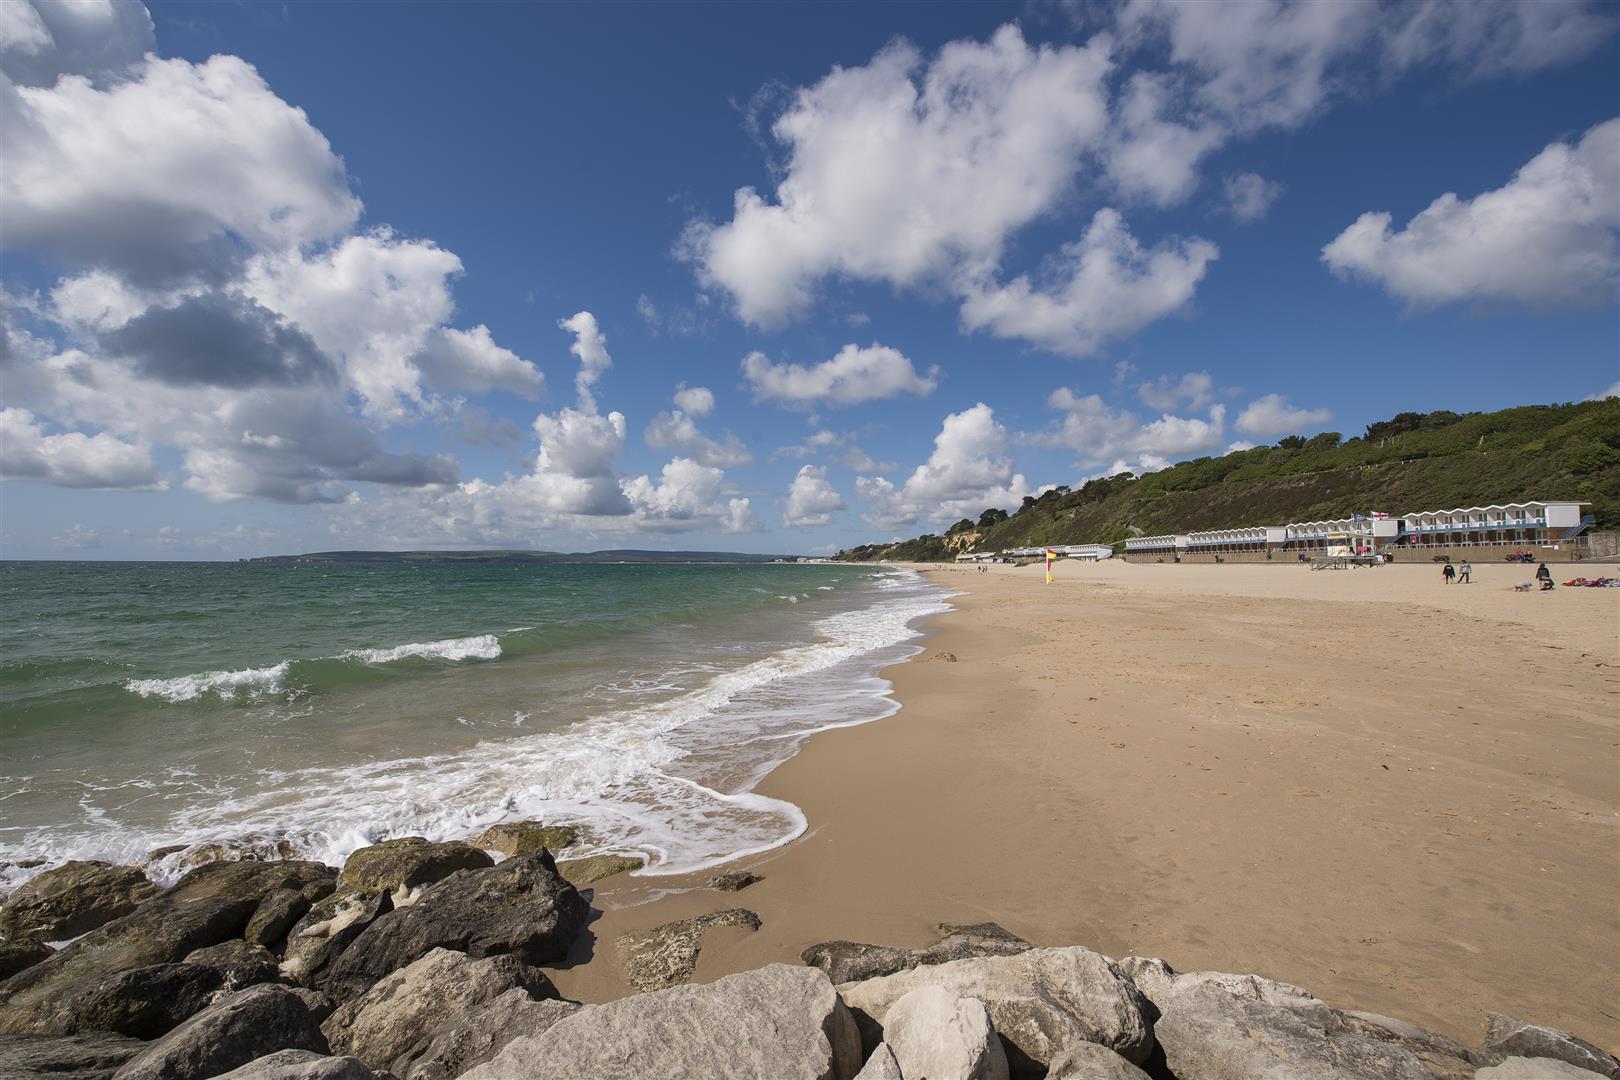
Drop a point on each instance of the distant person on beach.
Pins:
(1544, 576)
(1448, 573)
(1462, 573)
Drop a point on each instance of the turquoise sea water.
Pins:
(318, 708)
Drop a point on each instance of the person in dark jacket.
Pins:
(1544, 576)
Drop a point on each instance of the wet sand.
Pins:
(1398, 794)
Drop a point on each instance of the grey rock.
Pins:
(248, 880)
(161, 931)
(852, 961)
(1445, 1058)
(1534, 1068)
(72, 899)
(276, 914)
(233, 1031)
(1040, 1001)
(776, 1023)
(521, 906)
(387, 1026)
(734, 881)
(481, 1032)
(403, 865)
(301, 1065)
(326, 930)
(880, 1065)
(1088, 1061)
(933, 1032)
(1520, 1039)
(145, 1002)
(526, 837)
(1212, 1025)
(241, 963)
(667, 955)
(19, 953)
(594, 868)
(94, 1055)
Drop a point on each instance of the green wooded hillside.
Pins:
(1413, 461)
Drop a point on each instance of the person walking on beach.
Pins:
(1448, 573)
(1462, 573)
(1544, 576)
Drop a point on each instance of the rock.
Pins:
(880, 1066)
(781, 1022)
(326, 930)
(20, 953)
(735, 881)
(1519, 1039)
(233, 1031)
(1534, 1068)
(481, 1032)
(1040, 1001)
(158, 854)
(1445, 1058)
(276, 914)
(248, 880)
(524, 837)
(851, 961)
(386, 1026)
(667, 955)
(1214, 1025)
(934, 1033)
(1088, 1061)
(301, 1065)
(520, 906)
(403, 865)
(242, 963)
(160, 931)
(145, 1002)
(596, 867)
(977, 939)
(92, 1056)
(72, 899)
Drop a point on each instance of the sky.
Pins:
(778, 278)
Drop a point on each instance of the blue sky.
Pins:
(761, 277)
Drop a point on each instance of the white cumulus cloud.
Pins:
(812, 499)
(1249, 195)
(855, 375)
(1273, 415)
(72, 458)
(968, 471)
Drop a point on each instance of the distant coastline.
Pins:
(627, 555)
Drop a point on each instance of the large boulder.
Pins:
(934, 1033)
(1507, 1036)
(301, 1065)
(880, 1065)
(144, 1002)
(1213, 1026)
(852, 961)
(526, 837)
(248, 880)
(233, 1031)
(667, 955)
(1040, 1001)
(594, 868)
(388, 1025)
(161, 931)
(281, 909)
(1534, 1068)
(241, 963)
(776, 1023)
(326, 930)
(406, 864)
(73, 899)
(482, 1031)
(521, 906)
(94, 1055)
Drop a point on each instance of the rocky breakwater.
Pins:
(425, 961)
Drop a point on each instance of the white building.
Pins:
(1256, 538)
(1168, 544)
(1496, 525)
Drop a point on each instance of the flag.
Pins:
(1050, 555)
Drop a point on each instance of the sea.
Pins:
(311, 709)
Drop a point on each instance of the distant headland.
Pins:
(522, 555)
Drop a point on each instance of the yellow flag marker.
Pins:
(1050, 555)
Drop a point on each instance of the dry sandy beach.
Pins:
(1398, 794)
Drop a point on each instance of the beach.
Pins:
(1399, 794)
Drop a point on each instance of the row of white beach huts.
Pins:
(1539, 524)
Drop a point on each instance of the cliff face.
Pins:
(1415, 461)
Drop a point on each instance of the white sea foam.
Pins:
(478, 647)
(248, 681)
(671, 779)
